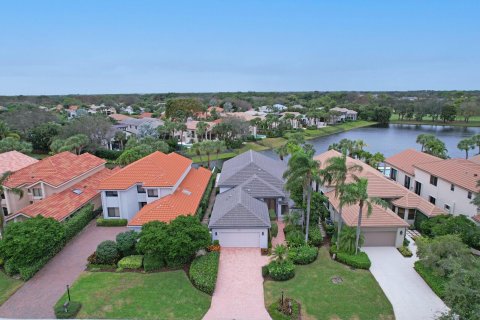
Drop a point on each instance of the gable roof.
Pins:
(54, 170)
(61, 205)
(241, 168)
(237, 209)
(259, 188)
(184, 201)
(407, 159)
(461, 172)
(13, 160)
(155, 170)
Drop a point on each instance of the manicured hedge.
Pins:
(202, 208)
(131, 262)
(359, 261)
(72, 310)
(107, 252)
(281, 271)
(303, 254)
(111, 222)
(108, 154)
(203, 272)
(315, 236)
(265, 270)
(153, 263)
(274, 229)
(434, 281)
(289, 228)
(78, 221)
(405, 251)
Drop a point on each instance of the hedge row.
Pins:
(359, 261)
(303, 254)
(101, 222)
(131, 262)
(202, 208)
(153, 263)
(108, 154)
(435, 282)
(274, 229)
(203, 272)
(78, 221)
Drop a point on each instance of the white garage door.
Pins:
(239, 239)
(380, 239)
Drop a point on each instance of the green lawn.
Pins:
(358, 297)
(473, 122)
(162, 295)
(8, 286)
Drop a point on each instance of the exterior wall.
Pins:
(457, 199)
(401, 178)
(126, 202)
(263, 239)
(223, 189)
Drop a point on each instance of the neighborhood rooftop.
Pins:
(13, 160)
(407, 159)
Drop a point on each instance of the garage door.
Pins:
(380, 239)
(239, 239)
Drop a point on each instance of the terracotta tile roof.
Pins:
(14, 160)
(184, 201)
(145, 115)
(406, 160)
(119, 117)
(63, 204)
(475, 159)
(461, 172)
(476, 218)
(382, 187)
(155, 170)
(380, 216)
(54, 170)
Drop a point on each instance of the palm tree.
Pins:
(348, 240)
(121, 137)
(219, 146)
(424, 138)
(357, 193)
(208, 148)
(280, 253)
(202, 129)
(466, 144)
(336, 173)
(282, 151)
(476, 140)
(303, 169)
(437, 148)
(476, 199)
(17, 191)
(197, 150)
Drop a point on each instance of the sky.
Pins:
(137, 46)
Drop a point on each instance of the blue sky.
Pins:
(113, 46)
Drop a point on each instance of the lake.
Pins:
(394, 138)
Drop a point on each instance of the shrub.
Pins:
(437, 283)
(295, 238)
(107, 252)
(281, 271)
(303, 254)
(79, 221)
(202, 208)
(203, 272)
(274, 229)
(131, 262)
(72, 310)
(348, 239)
(405, 251)
(153, 262)
(10, 268)
(315, 237)
(289, 228)
(265, 271)
(108, 154)
(27, 272)
(275, 310)
(359, 261)
(126, 242)
(406, 242)
(101, 222)
(272, 214)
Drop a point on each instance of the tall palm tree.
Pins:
(466, 144)
(423, 138)
(208, 148)
(18, 192)
(282, 151)
(476, 140)
(303, 169)
(219, 146)
(202, 130)
(336, 173)
(357, 193)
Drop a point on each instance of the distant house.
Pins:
(47, 177)
(248, 116)
(191, 134)
(344, 114)
(279, 107)
(158, 187)
(250, 185)
(133, 125)
(297, 121)
(145, 115)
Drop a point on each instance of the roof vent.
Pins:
(185, 191)
(77, 191)
(475, 175)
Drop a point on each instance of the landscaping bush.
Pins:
(406, 242)
(153, 262)
(203, 272)
(272, 214)
(107, 252)
(27, 272)
(359, 261)
(265, 271)
(303, 254)
(93, 267)
(275, 310)
(405, 251)
(71, 313)
(131, 262)
(108, 154)
(274, 229)
(281, 271)
(315, 237)
(202, 208)
(437, 283)
(126, 242)
(295, 238)
(290, 227)
(111, 222)
(79, 221)
(10, 268)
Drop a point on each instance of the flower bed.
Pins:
(288, 310)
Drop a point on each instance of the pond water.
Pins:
(394, 138)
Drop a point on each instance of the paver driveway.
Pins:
(409, 295)
(38, 295)
(239, 289)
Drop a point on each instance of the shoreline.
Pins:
(443, 124)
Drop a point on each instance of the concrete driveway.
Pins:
(239, 289)
(38, 295)
(409, 295)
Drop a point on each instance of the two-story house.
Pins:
(158, 187)
(449, 184)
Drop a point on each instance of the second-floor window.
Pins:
(469, 195)
(152, 193)
(393, 174)
(111, 193)
(433, 180)
(452, 187)
(418, 187)
(432, 200)
(407, 182)
(37, 192)
(140, 189)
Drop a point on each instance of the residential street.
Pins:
(37, 296)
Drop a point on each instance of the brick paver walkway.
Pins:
(280, 238)
(38, 295)
(239, 289)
